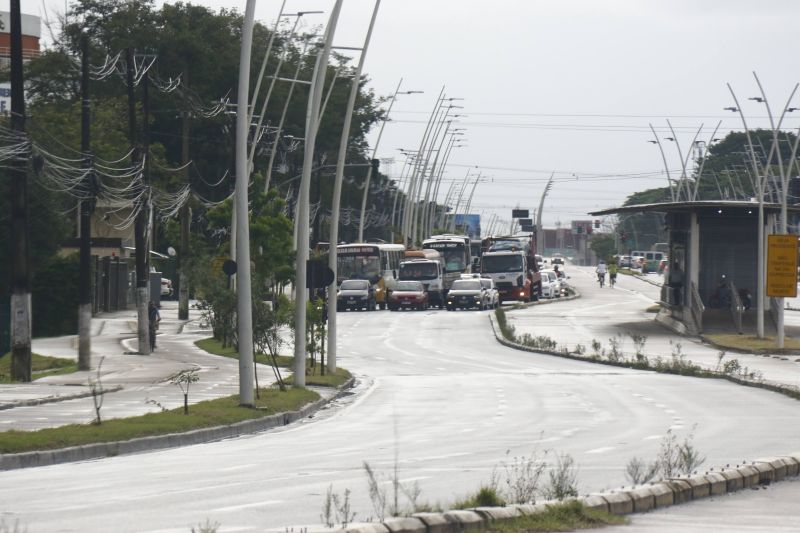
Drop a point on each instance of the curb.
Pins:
(55, 399)
(759, 351)
(11, 461)
(790, 391)
(637, 499)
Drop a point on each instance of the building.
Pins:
(31, 33)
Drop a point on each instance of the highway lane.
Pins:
(438, 397)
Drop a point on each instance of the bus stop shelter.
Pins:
(711, 280)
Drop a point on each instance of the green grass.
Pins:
(41, 366)
(212, 345)
(751, 343)
(221, 411)
(567, 516)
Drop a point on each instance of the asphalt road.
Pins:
(440, 400)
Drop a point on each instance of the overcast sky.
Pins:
(566, 87)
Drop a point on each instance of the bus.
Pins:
(377, 263)
(457, 256)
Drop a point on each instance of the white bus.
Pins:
(457, 256)
(377, 263)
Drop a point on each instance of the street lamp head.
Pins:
(732, 108)
(411, 92)
(652, 141)
(756, 99)
(670, 138)
(790, 109)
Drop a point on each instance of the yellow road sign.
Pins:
(782, 266)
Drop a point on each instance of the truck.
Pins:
(426, 266)
(511, 262)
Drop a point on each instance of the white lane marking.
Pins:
(237, 467)
(652, 437)
(604, 449)
(676, 426)
(246, 506)
(441, 368)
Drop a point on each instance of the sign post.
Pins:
(782, 266)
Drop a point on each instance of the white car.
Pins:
(491, 291)
(551, 286)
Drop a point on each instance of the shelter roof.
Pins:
(688, 207)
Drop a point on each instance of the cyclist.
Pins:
(601, 272)
(612, 273)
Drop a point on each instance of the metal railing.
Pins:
(737, 308)
(696, 307)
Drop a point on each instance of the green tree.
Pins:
(602, 244)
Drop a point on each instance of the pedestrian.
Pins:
(154, 317)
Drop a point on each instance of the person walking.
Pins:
(154, 317)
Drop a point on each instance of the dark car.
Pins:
(408, 294)
(355, 294)
(466, 294)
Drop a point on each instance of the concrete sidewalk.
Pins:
(137, 384)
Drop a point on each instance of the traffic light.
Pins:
(596, 223)
(376, 163)
(579, 229)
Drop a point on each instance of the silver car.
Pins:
(491, 292)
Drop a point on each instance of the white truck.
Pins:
(426, 266)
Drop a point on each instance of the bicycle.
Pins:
(601, 279)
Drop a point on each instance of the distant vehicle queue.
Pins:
(443, 274)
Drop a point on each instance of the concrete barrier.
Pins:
(643, 499)
(734, 480)
(718, 485)
(466, 520)
(596, 502)
(777, 464)
(766, 473)
(490, 514)
(681, 490)
(619, 502)
(407, 524)
(792, 465)
(529, 509)
(663, 494)
(701, 488)
(434, 522)
(366, 527)
(749, 476)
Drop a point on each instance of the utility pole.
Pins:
(184, 252)
(86, 208)
(244, 302)
(312, 125)
(20, 230)
(337, 193)
(140, 226)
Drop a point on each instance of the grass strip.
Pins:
(313, 377)
(209, 413)
(751, 343)
(567, 516)
(41, 366)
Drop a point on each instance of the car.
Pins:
(466, 294)
(556, 260)
(410, 294)
(166, 288)
(625, 261)
(491, 290)
(551, 285)
(355, 294)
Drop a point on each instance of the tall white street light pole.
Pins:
(431, 216)
(374, 155)
(337, 193)
(400, 184)
(408, 211)
(243, 294)
(312, 126)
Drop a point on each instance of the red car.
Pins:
(410, 294)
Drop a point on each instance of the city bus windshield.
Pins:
(420, 270)
(453, 252)
(358, 266)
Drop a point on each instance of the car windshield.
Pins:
(409, 286)
(466, 285)
(419, 270)
(355, 285)
(501, 263)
